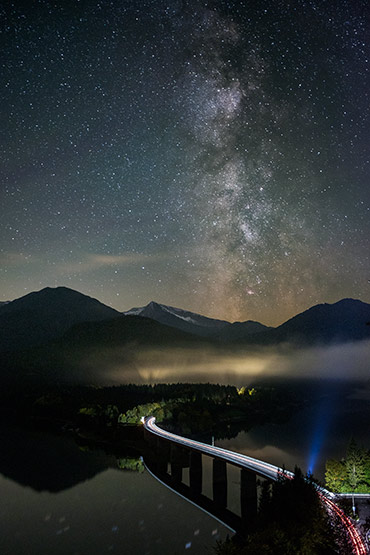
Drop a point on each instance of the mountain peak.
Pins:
(43, 315)
(59, 290)
(348, 301)
(344, 320)
(194, 323)
(153, 304)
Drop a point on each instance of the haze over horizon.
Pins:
(210, 156)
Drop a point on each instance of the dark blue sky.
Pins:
(208, 155)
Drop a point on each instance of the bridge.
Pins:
(183, 452)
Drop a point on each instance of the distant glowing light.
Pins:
(317, 442)
(320, 429)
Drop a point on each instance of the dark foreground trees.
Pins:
(291, 521)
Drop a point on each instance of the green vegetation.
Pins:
(131, 464)
(133, 416)
(222, 410)
(204, 408)
(245, 391)
(351, 474)
(291, 521)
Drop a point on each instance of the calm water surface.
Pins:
(62, 499)
(314, 434)
(108, 511)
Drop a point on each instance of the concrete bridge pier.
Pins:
(162, 448)
(195, 471)
(248, 496)
(179, 459)
(159, 454)
(219, 480)
(161, 463)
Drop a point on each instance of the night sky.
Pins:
(208, 155)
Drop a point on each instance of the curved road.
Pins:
(262, 468)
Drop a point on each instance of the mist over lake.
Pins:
(237, 366)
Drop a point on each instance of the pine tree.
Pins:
(335, 475)
(355, 465)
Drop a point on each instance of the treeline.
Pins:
(188, 408)
(201, 408)
(64, 402)
(131, 395)
(350, 474)
(181, 415)
(160, 410)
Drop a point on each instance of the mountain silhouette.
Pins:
(325, 323)
(89, 351)
(196, 324)
(43, 315)
(60, 335)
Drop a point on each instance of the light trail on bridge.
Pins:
(262, 468)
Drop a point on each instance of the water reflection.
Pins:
(58, 497)
(47, 462)
(339, 413)
(86, 505)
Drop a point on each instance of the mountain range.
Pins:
(195, 323)
(55, 329)
(342, 321)
(48, 314)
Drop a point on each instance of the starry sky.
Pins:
(208, 155)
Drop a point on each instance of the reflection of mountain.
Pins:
(48, 462)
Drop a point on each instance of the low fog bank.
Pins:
(204, 362)
(343, 362)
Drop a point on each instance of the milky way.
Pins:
(208, 155)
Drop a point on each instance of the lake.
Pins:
(61, 498)
(58, 498)
(339, 411)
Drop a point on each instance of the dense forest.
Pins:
(186, 408)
